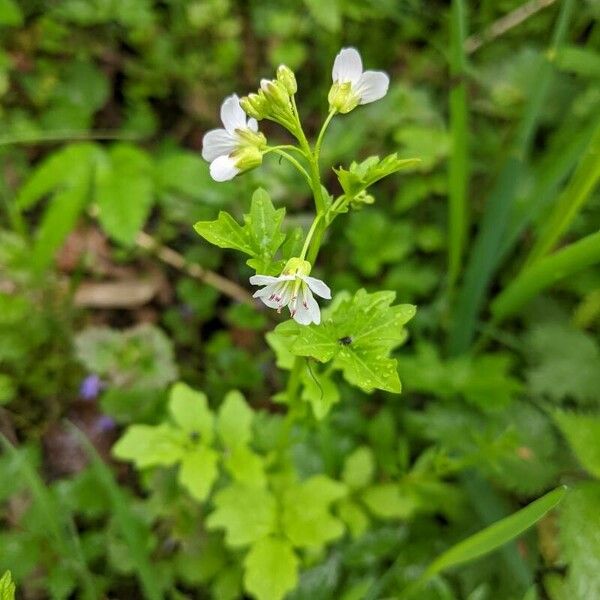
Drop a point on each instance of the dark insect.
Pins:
(345, 341)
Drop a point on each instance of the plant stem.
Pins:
(330, 116)
(309, 235)
(292, 160)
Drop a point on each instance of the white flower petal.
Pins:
(253, 125)
(271, 295)
(217, 142)
(232, 114)
(347, 66)
(313, 309)
(372, 86)
(263, 279)
(266, 291)
(301, 314)
(223, 168)
(318, 287)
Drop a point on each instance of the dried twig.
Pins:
(176, 260)
(504, 24)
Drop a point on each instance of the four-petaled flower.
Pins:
(238, 147)
(351, 86)
(294, 289)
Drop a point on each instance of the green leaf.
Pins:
(246, 467)
(579, 525)
(124, 192)
(198, 471)
(247, 514)
(575, 59)
(149, 446)
(328, 15)
(190, 411)
(60, 218)
(565, 363)
(583, 434)
(458, 159)
(7, 587)
(364, 174)
(358, 334)
(377, 241)
(353, 516)
(485, 250)
(389, 501)
(319, 391)
(260, 236)
(265, 223)
(544, 273)
(496, 535)
(359, 468)
(134, 531)
(234, 421)
(271, 569)
(55, 171)
(305, 517)
(567, 206)
(10, 16)
(141, 356)
(180, 172)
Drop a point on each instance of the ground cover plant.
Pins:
(300, 300)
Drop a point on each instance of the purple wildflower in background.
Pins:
(90, 387)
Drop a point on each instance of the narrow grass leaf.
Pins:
(496, 535)
(549, 174)
(58, 521)
(483, 260)
(544, 273)
(458, 169)
(128, 524)
(578, 190)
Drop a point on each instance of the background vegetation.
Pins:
(108, 296)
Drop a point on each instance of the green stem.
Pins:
(293, 161)
(330, 116)
(309, 235)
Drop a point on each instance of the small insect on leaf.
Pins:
(345, 341)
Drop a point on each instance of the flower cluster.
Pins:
(240, 146)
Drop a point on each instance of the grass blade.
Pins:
(458, 169)
(578, 190)
(58, 520)
(127, 522)
(544, 273)
(497, 534)
(483, 260)
(487, 540)
(553, 169)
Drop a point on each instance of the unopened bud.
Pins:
(287, 78)
(254, 105)
(275, 92)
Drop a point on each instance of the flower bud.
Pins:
(254, 105)
(275, 92)
(287, 78)
(342, 98)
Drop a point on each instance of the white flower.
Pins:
(235, 148)
(352, 86)
(294, 289)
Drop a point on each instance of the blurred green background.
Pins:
(103, 105)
